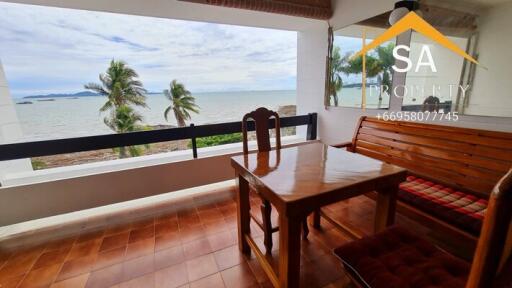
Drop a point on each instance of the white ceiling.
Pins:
(175, 9)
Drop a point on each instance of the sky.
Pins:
(52, 50)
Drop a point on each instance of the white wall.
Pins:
(10, 130)
(174, 9)
(491, 89)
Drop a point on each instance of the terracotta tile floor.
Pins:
(195, 245)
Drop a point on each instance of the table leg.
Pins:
(386, 206)
(289, 251)
(243, 214)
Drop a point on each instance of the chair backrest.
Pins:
(261, 117)
(495, 242)
(469, 159)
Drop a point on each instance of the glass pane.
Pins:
(429, 89)
(347, 77)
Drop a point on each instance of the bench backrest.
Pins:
(469, 159)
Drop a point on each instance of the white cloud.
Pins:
(58, 50)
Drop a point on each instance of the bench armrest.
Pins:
(343, 145)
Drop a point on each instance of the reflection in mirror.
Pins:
(346, 78)
(457, 85)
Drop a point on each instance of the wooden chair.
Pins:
(398, 258)
(261, 118)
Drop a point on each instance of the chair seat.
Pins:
(460, 209)
(396, 258)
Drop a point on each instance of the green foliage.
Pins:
(182, 103)
(122, 89)
(217, 140)
(120, 86)
(38, 164)
(378, 64)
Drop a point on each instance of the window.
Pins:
(58, 66)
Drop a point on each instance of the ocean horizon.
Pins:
(67, 117)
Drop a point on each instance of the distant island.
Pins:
(73, 95)
(79, 94)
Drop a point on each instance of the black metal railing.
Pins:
(81, 144)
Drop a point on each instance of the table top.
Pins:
(304, 171)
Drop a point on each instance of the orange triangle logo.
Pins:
(416, 23)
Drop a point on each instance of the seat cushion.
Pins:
(460, 209)
(395, 258)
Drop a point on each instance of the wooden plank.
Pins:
(489, 175)
(447, 177)
(446, 133)
(487, 133)
(267, 268)
(440, 168)
(499, 166)
(452, 145)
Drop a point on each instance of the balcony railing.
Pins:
(81, 144)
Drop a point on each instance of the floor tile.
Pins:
(11, 282)
(109, 258)
(171, 277)
(75, 282)
(239, 276)
(142, 223)
(191, 233)
(201, 267)
(142, 234)
(114, 241)
(76, 267)
(106, 277)
(140, 248)
(167, 240)
(96, 235)
(212, 281)
(41, 277)
(52, 257)
(221, 240)
(196, 248)
(228, 257)
(146, 281)
(169, 257)
(166, 227)
(84, 249)
(138, 267)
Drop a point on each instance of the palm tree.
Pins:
(338, 65)
(122, 89)
(387, 60)
(182, 103)
(120, 86)
(122, 120)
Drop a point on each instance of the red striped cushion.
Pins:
(463, 210)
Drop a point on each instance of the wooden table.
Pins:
(299, 180)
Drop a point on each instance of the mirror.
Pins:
(346, 89)
(480, 29)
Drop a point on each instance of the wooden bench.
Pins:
(460, 160)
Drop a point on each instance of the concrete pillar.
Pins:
(10, 130)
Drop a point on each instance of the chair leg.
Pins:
(266, 210)
(305, 229)
(316, 219)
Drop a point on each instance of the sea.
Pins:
(68, 117)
